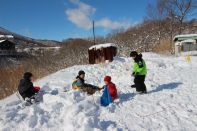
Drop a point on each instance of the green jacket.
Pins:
(139, 68)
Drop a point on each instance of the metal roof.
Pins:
(185, 37)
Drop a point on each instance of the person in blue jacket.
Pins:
(110, 92)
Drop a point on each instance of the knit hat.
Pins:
(27, 75)
(107, 78)
(133, 54)
(81, 72)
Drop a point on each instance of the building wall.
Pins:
(7, 45)
(7, 48)
(185, 48)
(189, 47)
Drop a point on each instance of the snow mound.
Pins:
(169, 105)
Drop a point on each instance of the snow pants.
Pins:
(29, 93)
(90, 89)
(139, 83)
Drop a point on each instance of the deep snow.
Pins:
(171, 102)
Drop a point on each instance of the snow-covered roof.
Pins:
(187, 36)
(102, 46)
(185, 41)
(6, 36)
(10, 36)
(2, 41)
(189, 40)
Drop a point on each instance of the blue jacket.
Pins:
(106, 99)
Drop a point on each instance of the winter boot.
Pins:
(28, 101)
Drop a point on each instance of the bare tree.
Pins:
(172, 13)
(180, 10)
(157, 14)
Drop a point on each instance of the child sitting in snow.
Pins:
(26, 88)
(110, 92)
(79, 84)
(139, 72)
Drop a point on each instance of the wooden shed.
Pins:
(102, 53)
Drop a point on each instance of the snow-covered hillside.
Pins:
(171, 102)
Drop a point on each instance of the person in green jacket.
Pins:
(139, 72)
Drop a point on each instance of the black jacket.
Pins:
(26, 88)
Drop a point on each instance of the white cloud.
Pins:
(81, 17)
(107, 23)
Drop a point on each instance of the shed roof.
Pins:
(2, 41)
(189, 40)
(185, 42)
(185, 37)
(6, 36)
(99, 46)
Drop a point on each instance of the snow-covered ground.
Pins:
(170, 105)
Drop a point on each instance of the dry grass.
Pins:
(11, 75)
(73, 52)
(9, 80)
(41, 66)
(165, 47)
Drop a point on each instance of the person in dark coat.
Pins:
(139, 72)
(79, 84)
(26, 88)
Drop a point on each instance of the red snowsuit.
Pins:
(112, 90)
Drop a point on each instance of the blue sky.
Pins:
(61, 19)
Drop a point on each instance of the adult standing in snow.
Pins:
(79, 84)
(139, 72)
(26, 88)
(110, 92)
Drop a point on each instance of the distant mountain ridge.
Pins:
(27, 41)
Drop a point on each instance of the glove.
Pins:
(134, 74)
(101, 88)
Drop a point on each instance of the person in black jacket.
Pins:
(26, 88)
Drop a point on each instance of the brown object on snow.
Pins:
(101, 53)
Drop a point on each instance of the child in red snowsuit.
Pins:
(111, 87)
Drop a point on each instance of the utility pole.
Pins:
(93, 33)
